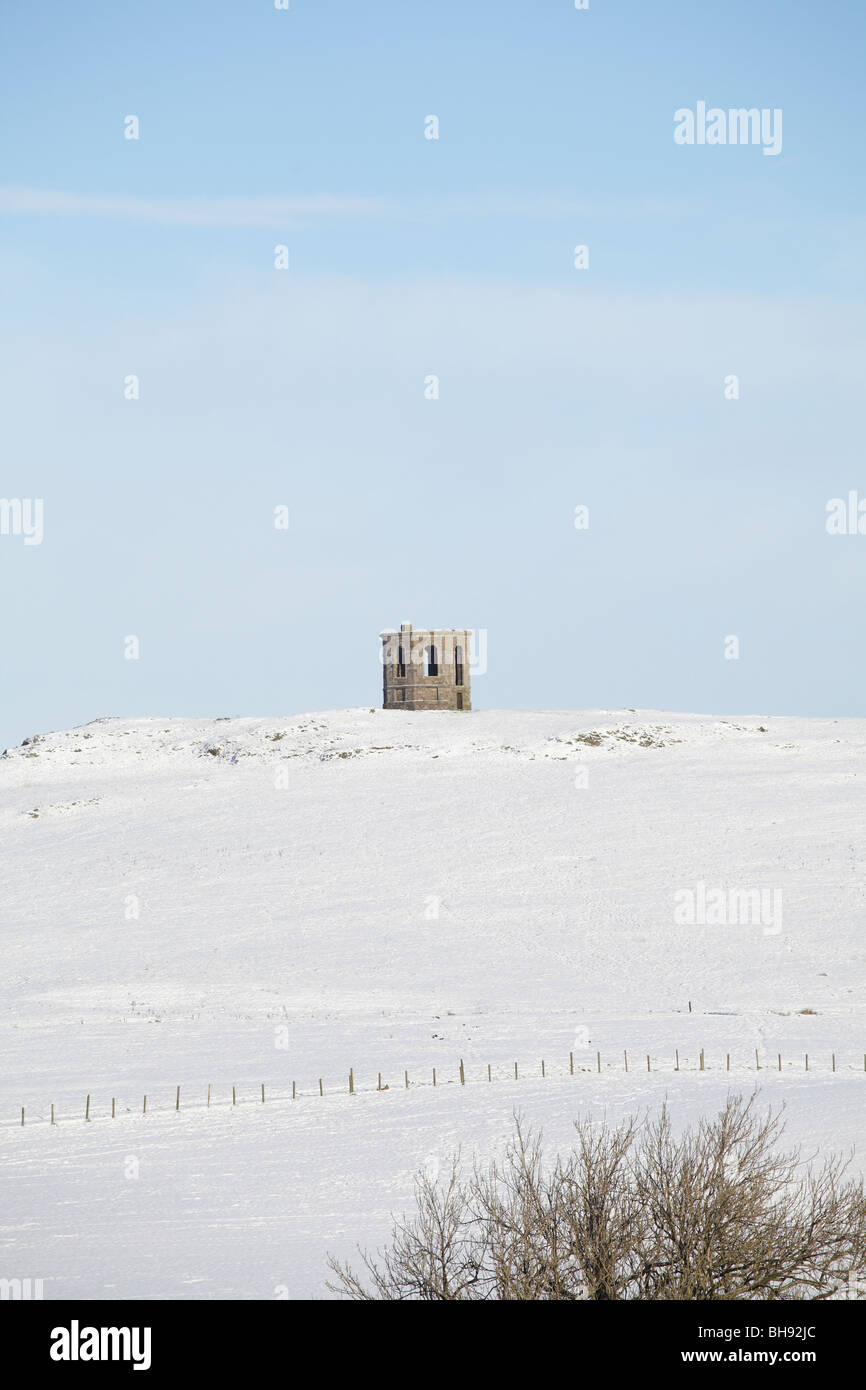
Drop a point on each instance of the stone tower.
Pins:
(425, 669)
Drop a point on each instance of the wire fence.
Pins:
(625, 1062)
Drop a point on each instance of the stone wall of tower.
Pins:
(405, 682)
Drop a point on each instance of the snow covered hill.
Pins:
(268, 901)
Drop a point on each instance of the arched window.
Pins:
(458, 665)
(432, 663)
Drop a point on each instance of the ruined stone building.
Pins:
(425, 668)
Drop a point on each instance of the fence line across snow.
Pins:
(487, 1074)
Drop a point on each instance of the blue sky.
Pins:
(411, 257)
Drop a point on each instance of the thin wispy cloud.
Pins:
(276, 212)
(216, 212)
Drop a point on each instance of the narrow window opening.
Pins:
(432, 663)
(401, 662)
(458, 665)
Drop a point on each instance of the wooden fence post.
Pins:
(351, 1081)
(677, 1067)
(807, 1061)
(515, 1071)
(757, 1061)
(144, 1107)
(234, 1096)
(406, 1079)
(702, 1059)
(571, 1063)
(434, 1076)
(321, 1092)
(177, 1100)
(22, 1116)
(780, 1061)
(542, 1066)
(625, 1055)
(208, 1095)
(490, 1078)
(598, 1060)
(263, 1093)
(112, 1107)
(52, 1112)
(728, 1062)
(834, 1061)
(462, 1073)
(87, 1110)
(648, 1067)
(294, 1090)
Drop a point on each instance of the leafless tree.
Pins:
(633, 1211)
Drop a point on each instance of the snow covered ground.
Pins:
(273, 901)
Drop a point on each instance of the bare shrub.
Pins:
(634, 1211)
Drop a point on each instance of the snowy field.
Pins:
(255, 902)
